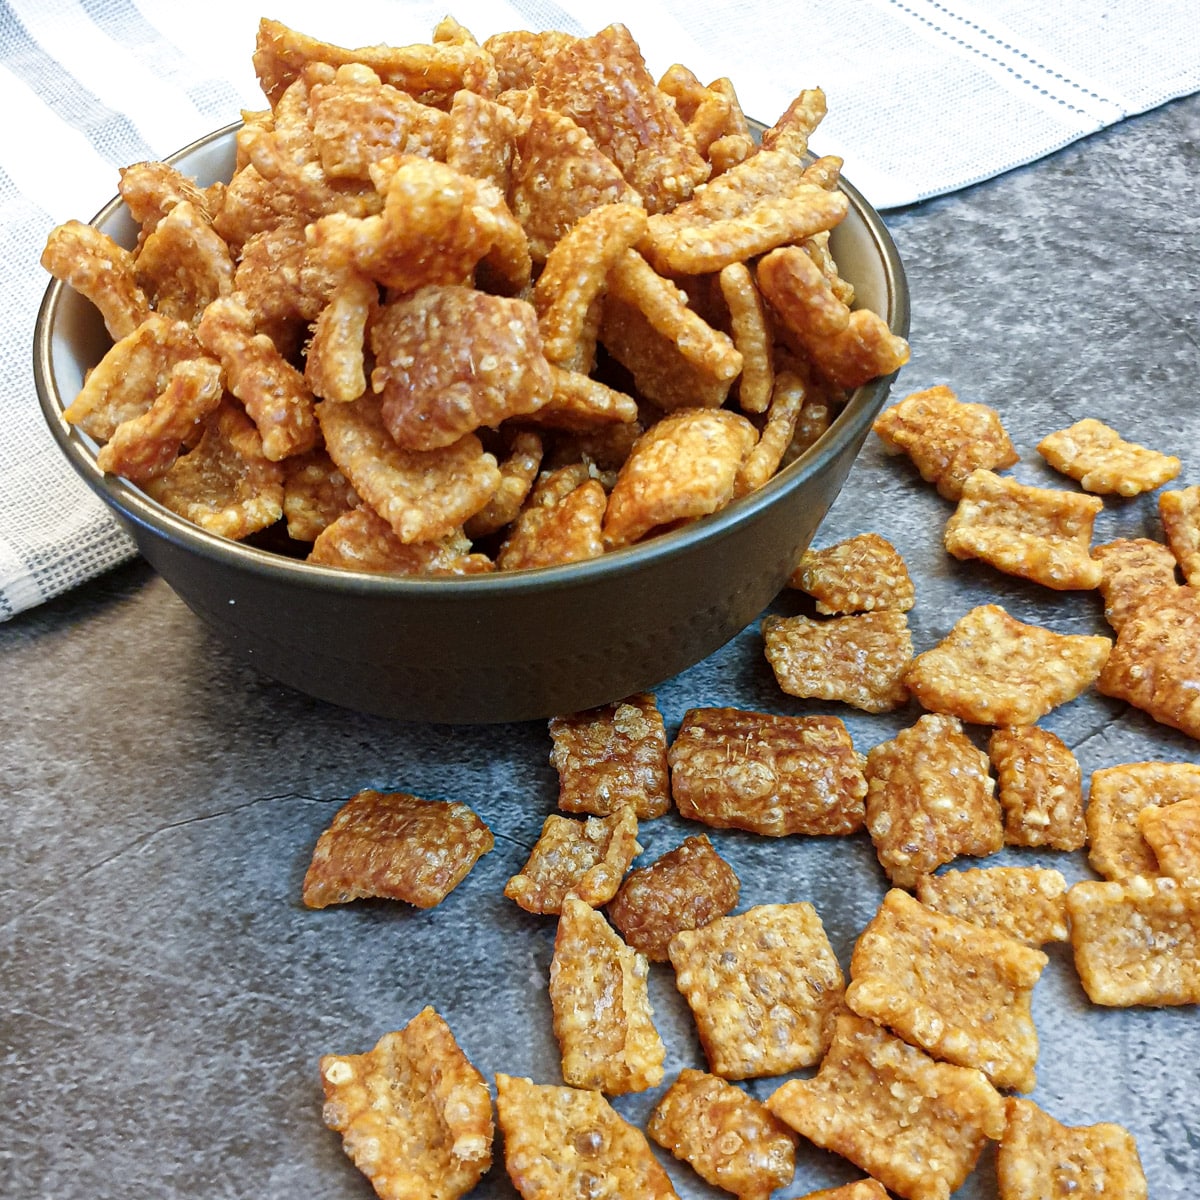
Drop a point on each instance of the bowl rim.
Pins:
(138, 508)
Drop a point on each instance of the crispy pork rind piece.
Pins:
(1173, 832)
(1137, 942)
(992, 669)
(728, 1138)
(916, 1125)
(585, 858)
(1116, 848)
(1155, 664)
(1180, 515)
(92, 264)
(315, 494)
(859, 660)
(793, 129)
(253, 204)
(450, 359)
(861, 574)
(481, 138)
(705, 111)
(763, 987)
(564, 1142)
(773, 775)
(414, 1114)
(1025, 903)
(602, 83)
(151, 189)
(423, 494)
(945, 438)
(397, 846)
(361, 540)
(1040, 1159)
(860, 1189)
(226, 484)
(929, 799)
(756, 205)
(961, 992)
(1131, 568)
(519, 54)
(1098, 457)
(558, 531)
(602, 1015)
(1039, 787)
(580, 404)
(276, 397)
(1037, 533)
(145, 447)
(518, 470)
(610, 756)
(684, 889)
(683, 467)
(333, 366)
(775, 440)
(751, 336)
(184, 264)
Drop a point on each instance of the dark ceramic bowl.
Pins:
(510, 646)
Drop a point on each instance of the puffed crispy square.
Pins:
(1116, 847)
(861, 574)
(728, 1138)
(587, 858)
(564, 1142)
(562, 530)
(1025, 903)
(361, 540)
(774, 775)
(519, 53)
(610, 756)
(397, 846)
(1173, 833)
(1036, 533)
(1137, 942)
(1041, 1159)
(916, 1125)
(946, 438)
(1132, 568)
(860, 660)
(958, 990)
(414, 1114)
(684, 889)
(1098, 457)
(602, 1015)
(1039, 786)
(763, 987)
(1155, 664)
(929, 799)
(992, 669)
(1179, 512)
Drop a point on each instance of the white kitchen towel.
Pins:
(925, 96)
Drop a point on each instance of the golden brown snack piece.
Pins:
(397, 846)
(1155, 664)
(763, 987)
(860, 1189)
(1025, 903)
(333, 366)
(586, 858)
(564, 1141)
(893, 1111)
(151, 189)
(315, 494)
(958, 990)
(706, 111)
(1036, 533)
(415, 1116)
(481, 138)
(1132, 569)
(1179, 512)
(1137, 942)
(1117, 795)
(1102, 461)
(860, 660)
(519, 53)
(946, 438)
(602, 1015)
(1172, 831)
(728, 1138)
(580, 404)
(773, 775)
(184, 264)
(929, 799)
(612, 755)
(1039, 787)
(361, 540)
(861, 574)
(751, 336)
(1040, 1159)
(992, 669)
(684, 889)
(775, 440)
(555, 530)
(92, 264)
(518, 470)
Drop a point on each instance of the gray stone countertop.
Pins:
(165, 996)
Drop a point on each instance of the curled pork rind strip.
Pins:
(1102, 461)
(334, 367)
(97, 268)
(1028, 904)
(415, 1116)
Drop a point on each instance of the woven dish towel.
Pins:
(924, 97)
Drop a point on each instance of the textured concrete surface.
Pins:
(164, 996)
